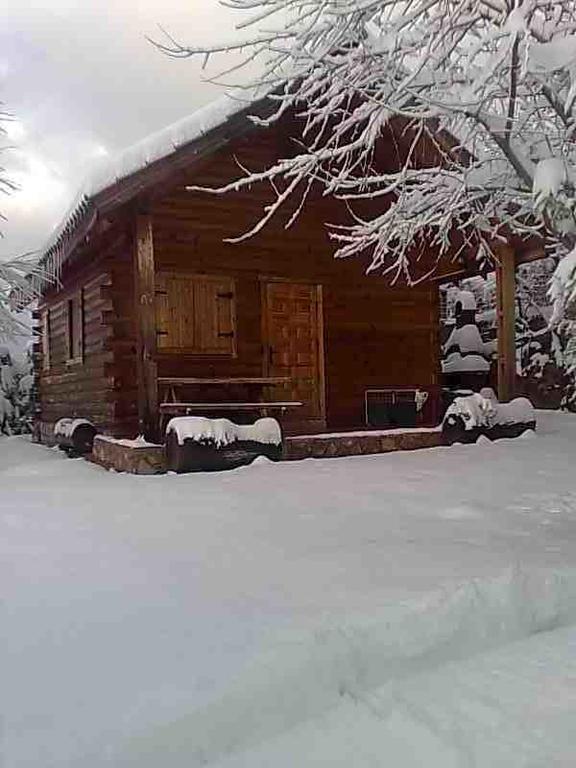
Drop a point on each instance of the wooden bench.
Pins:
(170, 385)
(187, 409)
(240, 406)
(173, 406)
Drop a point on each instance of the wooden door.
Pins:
(293, 344)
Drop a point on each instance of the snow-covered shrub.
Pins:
(546, 351)
(484, 411)
(545, 334)
(16, 389)
(464, 350)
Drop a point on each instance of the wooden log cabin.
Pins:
(154, 309)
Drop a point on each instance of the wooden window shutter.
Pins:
(75, 327)
(174, 312)
(214, 318)
(79, 325)
(46, 340)
(195, 313)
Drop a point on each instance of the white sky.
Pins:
(83, 82)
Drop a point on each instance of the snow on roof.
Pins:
(163, 143)
(139, 156)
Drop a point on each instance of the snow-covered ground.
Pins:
(413, 609)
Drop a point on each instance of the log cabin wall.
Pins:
(374, 336)
(100, 384)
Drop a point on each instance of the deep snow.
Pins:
(405, 609)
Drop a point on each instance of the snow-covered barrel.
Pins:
(75, 436)
(198, 444)
(481, 414)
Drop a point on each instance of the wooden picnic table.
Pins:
(171, 383)
(171, 405)
(263, 380)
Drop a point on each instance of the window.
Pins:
(75, 328)
(46, 340)
(195, 314)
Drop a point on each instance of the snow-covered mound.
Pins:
(467, 301)
(466, 339)
(457, 363)
(477, 410)
(300, 695)
(222, 432)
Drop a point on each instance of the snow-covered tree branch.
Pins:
(478, 94)
(16, 272)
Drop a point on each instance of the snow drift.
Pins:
(314, 673)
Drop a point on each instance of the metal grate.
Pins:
(390, 407)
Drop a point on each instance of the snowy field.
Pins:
(401, 610)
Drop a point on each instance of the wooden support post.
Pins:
(145, 311)
(506, 311)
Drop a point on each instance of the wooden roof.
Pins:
(154, 160)
(147, 164)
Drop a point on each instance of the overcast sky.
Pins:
(83, 83)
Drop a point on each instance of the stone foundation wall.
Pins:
(136, 460)
(357, 445)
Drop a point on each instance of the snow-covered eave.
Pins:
(149, 161)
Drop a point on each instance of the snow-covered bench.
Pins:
(261, 408)
(195, 443)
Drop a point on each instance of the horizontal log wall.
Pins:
(101, 386)
(374, 336)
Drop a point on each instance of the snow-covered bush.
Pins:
(16, 389)
(546, 347)
(464, 350)
(482, 410)
(546, 351)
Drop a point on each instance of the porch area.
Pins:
(140, 458)
(347, 364)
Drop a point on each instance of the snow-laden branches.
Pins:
(476, 98)
(6, 184)
(21, 276)
(21, 282)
